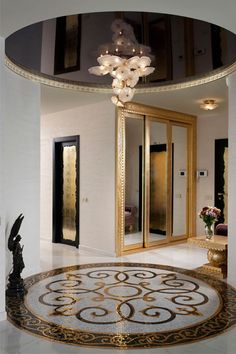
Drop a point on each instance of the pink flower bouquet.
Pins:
(209, 215)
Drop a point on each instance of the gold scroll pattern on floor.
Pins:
(108, 278)
(110, 296)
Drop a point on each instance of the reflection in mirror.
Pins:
(158, 182)
(134, 132)
(180, 178)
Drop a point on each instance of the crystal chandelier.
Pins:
(125, 60)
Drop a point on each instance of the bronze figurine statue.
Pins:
(15, 287)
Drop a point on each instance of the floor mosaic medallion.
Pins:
(124, 305)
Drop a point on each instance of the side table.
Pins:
(217, 253)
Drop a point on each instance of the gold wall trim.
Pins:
(50, 80)
(120, 179)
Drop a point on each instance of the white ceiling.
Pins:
(183, 100)
(188, 100)
(15, 14)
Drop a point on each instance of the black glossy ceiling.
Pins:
(182, 48)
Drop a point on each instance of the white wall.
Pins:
(95, 124)
(19, 169)
(231, 181)
(2, 221)
(209, 127)
(180, 145)
(22, 164)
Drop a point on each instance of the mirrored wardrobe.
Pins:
(155, 178)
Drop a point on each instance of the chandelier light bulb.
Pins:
(126, 68)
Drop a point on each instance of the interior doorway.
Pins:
(66, 190)
(221, 178)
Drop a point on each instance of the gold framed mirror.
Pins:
(155, 177)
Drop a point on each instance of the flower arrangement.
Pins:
(209, 215)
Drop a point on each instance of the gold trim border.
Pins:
(49, 80)
(120, 179)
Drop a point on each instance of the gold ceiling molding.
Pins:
(49, 80)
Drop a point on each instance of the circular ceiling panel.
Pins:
(183, 50)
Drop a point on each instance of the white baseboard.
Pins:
(3, 316)
(97, 251)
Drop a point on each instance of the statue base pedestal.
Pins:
(16, 288)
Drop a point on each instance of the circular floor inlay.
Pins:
(124, 305)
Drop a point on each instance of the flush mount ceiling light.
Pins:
(209, 105)
(125, 60)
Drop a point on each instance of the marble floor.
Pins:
(137, 237)
(15, 341)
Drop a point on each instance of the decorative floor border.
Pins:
(22, 317)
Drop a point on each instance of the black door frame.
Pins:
(57, 236)
(220, 145)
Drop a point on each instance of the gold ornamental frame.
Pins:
(171, 118)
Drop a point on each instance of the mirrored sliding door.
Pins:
(156, 182)
(133, 217)
(155, 177)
